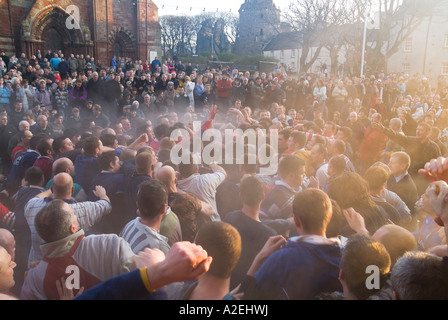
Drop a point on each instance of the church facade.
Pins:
(100, 28)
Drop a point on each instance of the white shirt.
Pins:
(204, 187)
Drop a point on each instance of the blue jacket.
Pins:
(302, 269)
(86, 168)
(5, 93)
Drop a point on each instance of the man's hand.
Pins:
(184, 261)
(355, 220)
(436, 169)
(273, 244)
(100, 192)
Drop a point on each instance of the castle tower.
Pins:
(259, 22)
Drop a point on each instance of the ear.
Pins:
(73, 228)
(297, 222)
(341, 276)
(164, 209)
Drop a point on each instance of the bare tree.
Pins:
(177, 34)
(317, 21)
(398, 20)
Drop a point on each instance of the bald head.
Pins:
(8, 242)
(63, 165)
(167, 176)
(396, 239)
(62, 186)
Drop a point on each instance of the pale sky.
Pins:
(194, 7)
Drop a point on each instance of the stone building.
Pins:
(259, 22)
(106, 28)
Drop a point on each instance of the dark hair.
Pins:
(90, 144)
(34, 141)
(161, 130)
(58, 143)
(108, 139)
(152, 196)
(44, 146)
(105, 159)
(187, 169)
(35, 176)
(251, 191)
(360, 252)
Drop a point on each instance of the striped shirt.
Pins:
(140, 236)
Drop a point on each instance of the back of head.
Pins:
(62, 185)
(161, 131)
(54, 220)
(350, 190)
(376, 177)
(7, 241)
(127, 154)
(35, 176)
(105, 159)
(251, 191)
(397, 241)
(34, 141)
(223, 243)
(313, 208)
(361, 252)
(108, 139)
(248, 167)
(151, 198)
(420, 276)
(187, 169)
(44, 147)
(90, 145)
(61, 165)
(338, 164)
(338, 147)
(166, 144)
(144, 163)
(167, 175)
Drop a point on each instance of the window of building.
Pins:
(282, 54)
(293, 53)
(445, 68)
(406, 68)
(408, 45)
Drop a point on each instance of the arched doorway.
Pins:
(53, 40)
(118, 50)
(123, 45)
(47, 30)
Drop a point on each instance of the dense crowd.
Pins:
(89, 180)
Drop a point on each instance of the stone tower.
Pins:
(259, 22)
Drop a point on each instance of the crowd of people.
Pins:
(93, 205)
